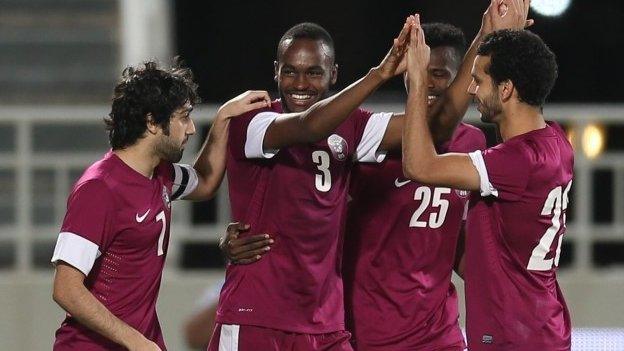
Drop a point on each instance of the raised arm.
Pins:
(500, 14)
(420, 160)
(446, 115)
(326, 115)
(72, 295)
(210, 163)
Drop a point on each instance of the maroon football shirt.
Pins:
(399, 254)
(116, 231)
(298, 194)
(513, 244)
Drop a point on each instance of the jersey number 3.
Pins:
(556, 204)
(322, 181)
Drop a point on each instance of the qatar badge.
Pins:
(462, 193)
(338, 147)
(165, 197)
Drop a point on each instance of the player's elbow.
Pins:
(204, 192)
(417, 172)
(59, 294)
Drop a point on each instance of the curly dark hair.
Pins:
(307, 30)
(147, 89)
(523, 58)
(444, 34)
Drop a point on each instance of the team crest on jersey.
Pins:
(487, 339)
(462, 193)
(165, 197)
(338, 147)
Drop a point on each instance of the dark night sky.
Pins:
(230, 45)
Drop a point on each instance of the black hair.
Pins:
(147, 89)
(523, 58)
(444, 34)
(307, 30)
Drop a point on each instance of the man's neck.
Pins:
(519, 120)
(139, 157)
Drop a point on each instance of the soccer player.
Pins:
(288, 174)
(399, 258)
(113, 241)
(515, 228)
(401, 236)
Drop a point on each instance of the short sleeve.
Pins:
(246, 134)
(87, 229)
(503, 170)
(368, 148)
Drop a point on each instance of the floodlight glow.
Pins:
(550, 7)
(593, 140)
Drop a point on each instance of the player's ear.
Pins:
(152, 126)
(275, 70)
(334, 74)
(506, 90)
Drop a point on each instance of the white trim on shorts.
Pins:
(228, 338)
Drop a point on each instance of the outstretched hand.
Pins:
(245, 102)
(394, 62)
(506, 14)
(418, 52)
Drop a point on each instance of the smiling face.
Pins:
(442, 69)
(304, 72)
(170, 146)
(485, 91)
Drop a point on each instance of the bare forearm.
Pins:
(85, 308)
(418, 146)
(326, 115)
(210, 163)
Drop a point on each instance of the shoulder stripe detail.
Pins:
(179, 182)
(487, 188)
(76, 251)
(185, 181)
(368, 148)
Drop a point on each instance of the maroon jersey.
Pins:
(116, 232)
(399, 255)
(513, 243)
(297, 194)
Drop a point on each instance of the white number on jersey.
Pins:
(322, 181)
(556, 203)
(161, 238)
(436, 219)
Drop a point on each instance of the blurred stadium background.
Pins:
(60, 60)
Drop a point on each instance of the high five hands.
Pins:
(506, 14)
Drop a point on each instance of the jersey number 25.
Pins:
(423, 194)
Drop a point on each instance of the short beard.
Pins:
(167, 151)
(491, 107)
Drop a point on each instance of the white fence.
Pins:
(44, 149)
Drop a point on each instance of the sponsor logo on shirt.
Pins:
(487, 339)
(165, 197)
(399, 183)
(338, 147)
(462, 193)
(245, 310)
(140, 219)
